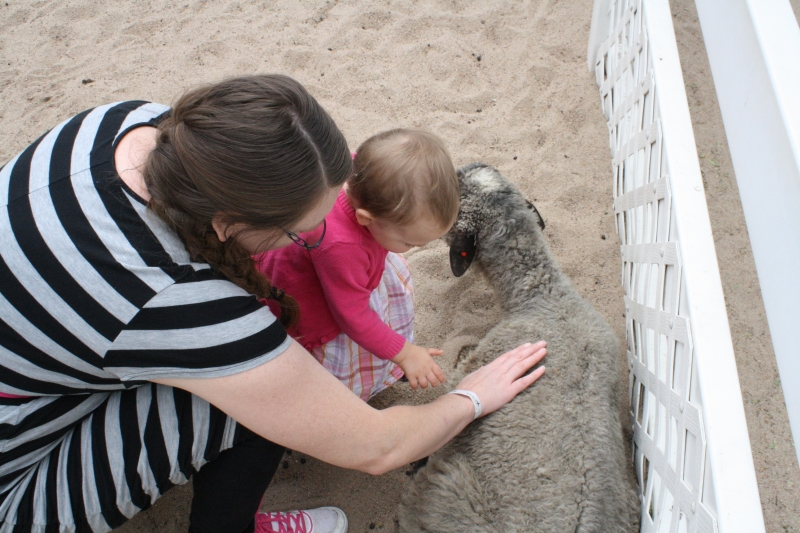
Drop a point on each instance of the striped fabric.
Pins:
(363, 373)
(97, 295)
(96, 460)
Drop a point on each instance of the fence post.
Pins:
(754, 51)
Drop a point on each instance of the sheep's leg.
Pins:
(464, 352)
(445, 498)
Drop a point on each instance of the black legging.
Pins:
(228, 490)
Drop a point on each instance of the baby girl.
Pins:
(353, 289)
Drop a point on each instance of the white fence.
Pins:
(691, 447)
(761, 112)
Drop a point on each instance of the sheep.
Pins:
(554, 459)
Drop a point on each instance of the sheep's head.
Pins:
(487, 199)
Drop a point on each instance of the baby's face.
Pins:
(399, 239)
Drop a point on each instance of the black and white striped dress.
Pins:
(98, 296)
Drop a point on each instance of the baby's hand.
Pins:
(419, 366)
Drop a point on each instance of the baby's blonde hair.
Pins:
(398, 171)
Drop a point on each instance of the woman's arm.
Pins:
(293, 401)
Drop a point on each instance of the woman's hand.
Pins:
(500, 381)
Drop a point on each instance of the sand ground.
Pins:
(504, 82)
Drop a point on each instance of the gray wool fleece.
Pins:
(553, 460)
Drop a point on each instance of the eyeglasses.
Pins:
(302, 242)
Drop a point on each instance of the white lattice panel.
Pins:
(671, 451)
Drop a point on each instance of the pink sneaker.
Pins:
(320, 520)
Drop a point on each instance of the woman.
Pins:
(134, 353)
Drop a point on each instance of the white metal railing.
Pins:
(754, 50)
(691, 447)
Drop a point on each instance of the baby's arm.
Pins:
(342, 271)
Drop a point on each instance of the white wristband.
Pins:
(476, 402)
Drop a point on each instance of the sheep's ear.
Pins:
(462, 252)
(533, 208)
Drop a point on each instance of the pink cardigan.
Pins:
(332, 284)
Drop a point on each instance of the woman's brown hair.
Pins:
(255, 150)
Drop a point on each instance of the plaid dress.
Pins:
(362, 372)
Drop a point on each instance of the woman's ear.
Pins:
(462, 252)
(364, 217)
(225, 229)
(221, 227)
